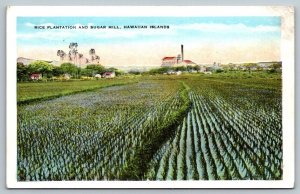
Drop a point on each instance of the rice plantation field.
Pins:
(37, 91)
(193, 127)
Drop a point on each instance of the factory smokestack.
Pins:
(182, 58)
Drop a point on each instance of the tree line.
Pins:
(48, 70)
(271, 68)
(162, 70)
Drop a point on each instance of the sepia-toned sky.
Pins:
(205, 39)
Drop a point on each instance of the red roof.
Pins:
(188, 61)
(35, 75)
(168, 58)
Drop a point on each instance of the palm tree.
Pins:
(73, 51)
(80, 56)
(61, 54)
(97, 58)
(92, 53)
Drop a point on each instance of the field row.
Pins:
(223, 139)
(95, 133)
(161, 128)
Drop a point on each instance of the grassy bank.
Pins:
(38, 91)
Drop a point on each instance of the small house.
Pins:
(36, 76)
(97, 76)
(67, 76)
(171, 72)
(109, 75)
(178, 72)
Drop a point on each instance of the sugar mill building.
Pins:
(173, 61)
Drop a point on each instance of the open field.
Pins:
(190, 127)
(37, 91)
(232, 131)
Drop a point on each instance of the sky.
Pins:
(205, 39)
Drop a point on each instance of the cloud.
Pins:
(48, 35)
(130, 33)
(47, 24)
(78, 25)
(29, 24)
(217, 27)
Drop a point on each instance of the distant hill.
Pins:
(27, 61)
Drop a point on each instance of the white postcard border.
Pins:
(288, 95)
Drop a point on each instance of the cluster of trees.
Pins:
(48, 70)
(73, 59)
(274, 67)
(76, 57)
(163, 70)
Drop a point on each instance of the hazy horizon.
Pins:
(205, 39)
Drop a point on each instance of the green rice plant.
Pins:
(184, 128)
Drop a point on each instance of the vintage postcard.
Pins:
(150, 97)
